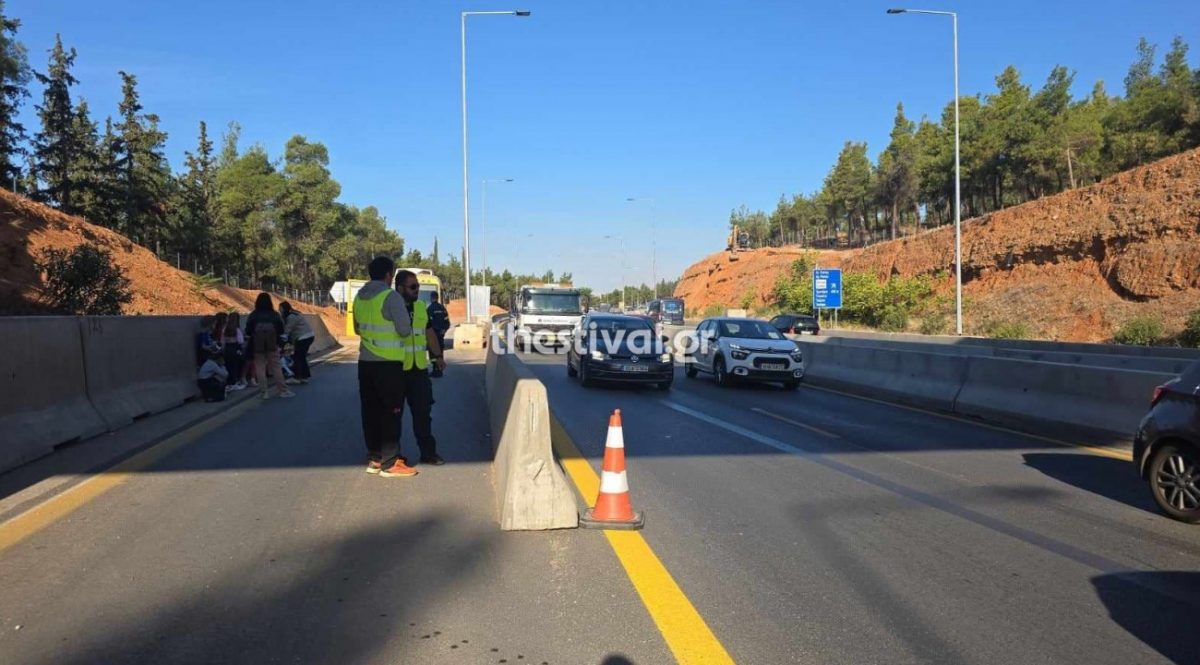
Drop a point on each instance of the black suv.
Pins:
(796, 324)
(1166, 449)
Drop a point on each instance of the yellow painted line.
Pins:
(687, 635)
(797, 423)
(43, 515)
(1095, 450)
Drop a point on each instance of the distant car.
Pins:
(624, 349)
(797, 324)
(1166, 448)
(666, 310)
(745, 349)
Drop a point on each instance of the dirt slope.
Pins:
(28, 228)
(1073, 266)
(716, 280)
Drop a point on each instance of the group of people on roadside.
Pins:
(271, 349)
(401, 339)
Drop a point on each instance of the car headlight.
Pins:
(599, 355)
(797, 356)
(739, 354)
(666, 358)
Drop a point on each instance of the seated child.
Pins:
(212, 378)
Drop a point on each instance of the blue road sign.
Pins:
(827, 288)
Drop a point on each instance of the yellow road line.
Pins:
(1095, 450)
(797, 423)
(687, 635)
(43, 515)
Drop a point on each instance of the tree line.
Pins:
(1017, 145)
(235, 213)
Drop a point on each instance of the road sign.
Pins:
(339, 292)
(827, 288)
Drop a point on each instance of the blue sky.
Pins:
(701, 106)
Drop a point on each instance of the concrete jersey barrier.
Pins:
(43, 388)
(138, 365)
(912, 377)
(532, 492)
(1025, 344)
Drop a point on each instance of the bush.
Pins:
(747, 300)
(1140, 331)
(83, 281)
(894, 319)
(1191, 331)
(934, 324)
(1007, 330)
(715, 309)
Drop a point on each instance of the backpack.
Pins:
(265, 337)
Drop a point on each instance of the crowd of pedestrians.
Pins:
(270, 351)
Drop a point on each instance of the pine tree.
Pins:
(14, 76)
(55, 148)
(196, 202)
(82, 172)
(144, 177)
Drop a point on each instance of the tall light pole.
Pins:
(466, 196)
(653, 242)
(957, 172)
(622, 239)
(484, 222)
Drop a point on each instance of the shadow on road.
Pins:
(1111, 478)
(340, 600)
(1165, 623)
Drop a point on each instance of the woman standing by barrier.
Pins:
(263, 329)
(234, 342)
(301, 336)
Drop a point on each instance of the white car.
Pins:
(745, 349)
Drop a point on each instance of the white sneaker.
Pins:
(236, 387)
(266, 395)
(286, 394)
(292, 381)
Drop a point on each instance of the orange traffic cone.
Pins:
(613, 509)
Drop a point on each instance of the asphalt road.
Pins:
(262, 541)
(812, 527)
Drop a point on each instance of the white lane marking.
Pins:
(797, 423)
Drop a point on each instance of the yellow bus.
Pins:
(429, 282)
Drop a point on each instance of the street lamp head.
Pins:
(896, 11)
(508, 180)
(522, 12)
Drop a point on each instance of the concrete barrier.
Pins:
(469, 336)
(1025, 344)
(43, 388)
(323, 339)
(532, 492)
(138, 365)
(1099, 400)
(924, 379)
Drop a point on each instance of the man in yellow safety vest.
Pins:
(384, 327)
(423, 348)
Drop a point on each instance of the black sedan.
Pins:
(624, 349)
(1166, 449)
(796, 324)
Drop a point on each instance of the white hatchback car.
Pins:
(749, 349)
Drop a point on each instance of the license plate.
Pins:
(773, 366)
(635, 368)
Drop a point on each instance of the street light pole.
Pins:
(622, 239)
(483, 222)
(653, 242)
(466, 193)
(958, 316)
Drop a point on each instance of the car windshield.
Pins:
(672, 306)
(614, 324)
(553, 303)
(749, 330)
(426, 293)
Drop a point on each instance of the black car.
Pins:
(625, 349)
(796, 324)
(1166, 449)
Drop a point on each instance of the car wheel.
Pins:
(791, 385)
(584, 376)
(689, 368)
(1175, 481)
(719, 374)
(571, 370)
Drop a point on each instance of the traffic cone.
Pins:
(613, 509)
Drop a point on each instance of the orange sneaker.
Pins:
(399, 469)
